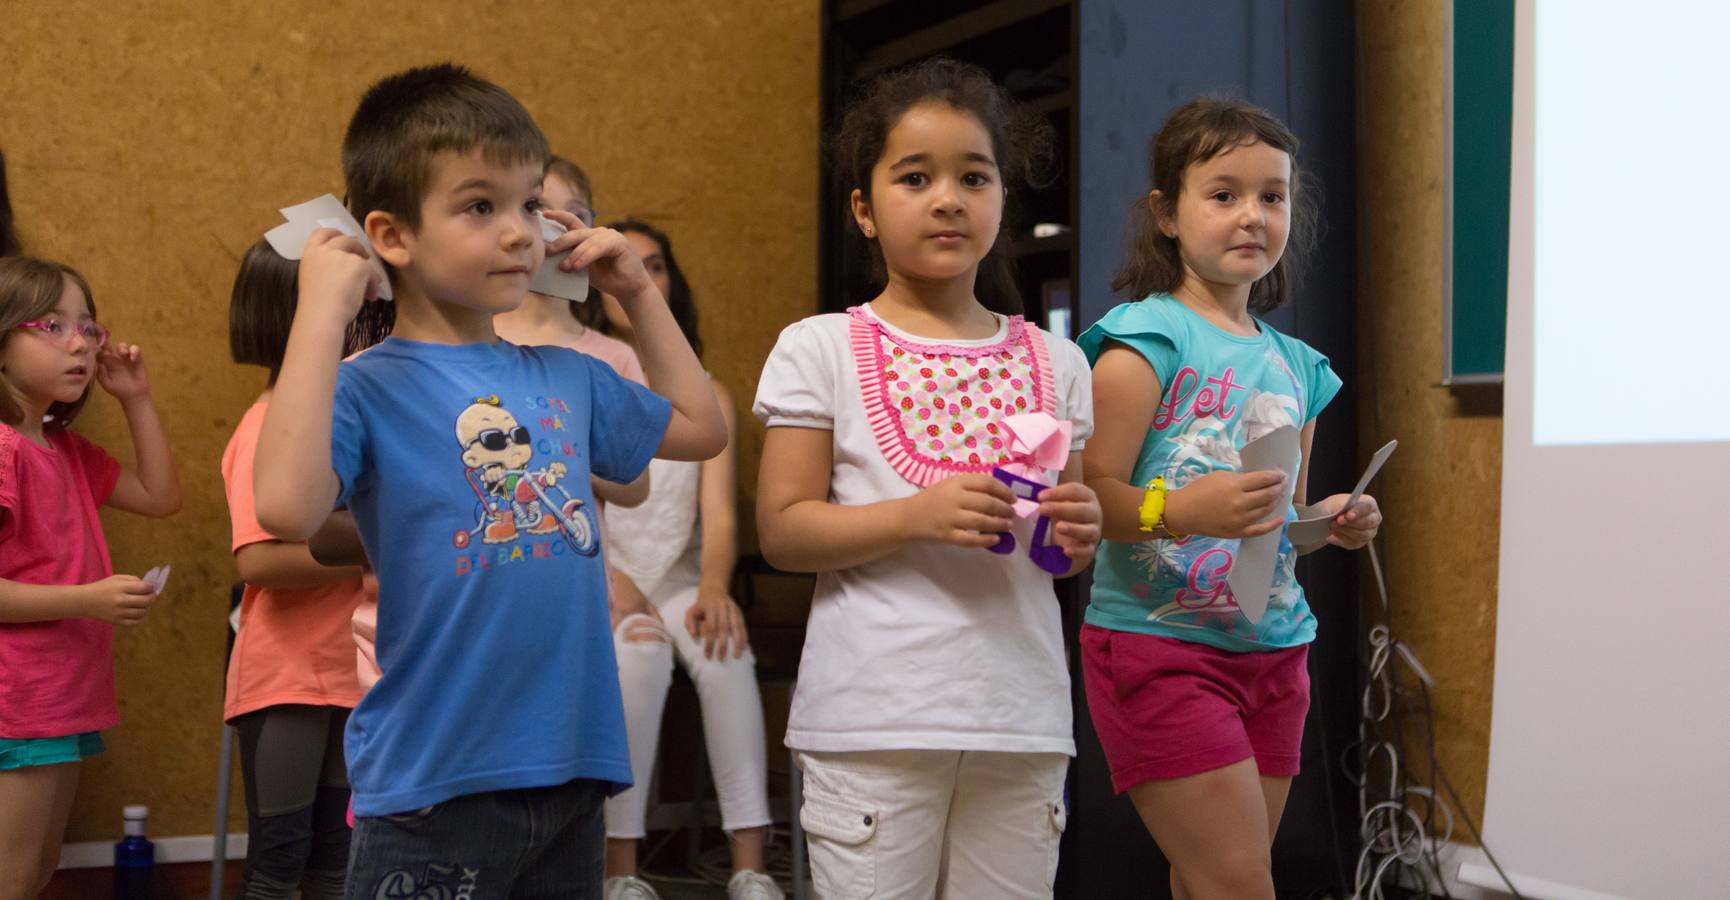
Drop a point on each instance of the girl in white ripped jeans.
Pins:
(671, 562)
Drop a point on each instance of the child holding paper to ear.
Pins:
(59, 596)
(465, 461)
(1199, 708)
(545, 320)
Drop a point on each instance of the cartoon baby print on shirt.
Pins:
(512, 498)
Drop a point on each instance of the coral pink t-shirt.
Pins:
(293, 646)
(56, 677)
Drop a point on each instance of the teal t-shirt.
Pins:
(1221, 391)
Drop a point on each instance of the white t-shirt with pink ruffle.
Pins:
(933, 646)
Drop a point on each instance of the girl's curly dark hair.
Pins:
(1021, 142)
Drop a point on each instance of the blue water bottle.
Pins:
(134, 858)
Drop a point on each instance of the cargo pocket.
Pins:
(842, 833)
(1059, 818)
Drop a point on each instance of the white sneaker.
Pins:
(748, 885)
(628, 887)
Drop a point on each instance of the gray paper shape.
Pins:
(1311, 528)
(552, 282)
(289, 238)
(1251, 575)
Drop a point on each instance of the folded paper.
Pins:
(289, 238)
(549, 279)
(1038, 446)
(1251, 577)
(157, 578)
(1313, 527)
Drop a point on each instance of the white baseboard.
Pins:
(188, 849)
(197, 847)
(1454, 860)
(1470, 876)
(1534, 888)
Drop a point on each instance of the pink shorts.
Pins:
(1166, 708)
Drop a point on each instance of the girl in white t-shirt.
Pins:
(932, 713)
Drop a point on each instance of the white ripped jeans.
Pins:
(918, 824)
(732, 716)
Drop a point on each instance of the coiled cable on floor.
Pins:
(1402, 824)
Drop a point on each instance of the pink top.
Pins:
(56, 677)
(615, 353)
(293, 646)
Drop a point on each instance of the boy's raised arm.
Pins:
(293, 483)
(696, 430)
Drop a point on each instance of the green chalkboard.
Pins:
(1480, 123)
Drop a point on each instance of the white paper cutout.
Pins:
(1251, 575)
(289, 238)
(552, 282)
(157, 577)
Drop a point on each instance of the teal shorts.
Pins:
(22, 753)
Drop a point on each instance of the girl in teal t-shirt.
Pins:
(1199, 710)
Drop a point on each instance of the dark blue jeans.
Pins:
(531, 844)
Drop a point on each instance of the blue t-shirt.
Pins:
(1220, 391)
(467, 469)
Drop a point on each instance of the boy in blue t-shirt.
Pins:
(480, 759)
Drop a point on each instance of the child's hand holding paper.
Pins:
(1342, 519)
(157, 578)
(551, 279)
(306, 221)
(1348, 527)
(1228, 504)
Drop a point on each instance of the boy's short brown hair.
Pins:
(406, 119)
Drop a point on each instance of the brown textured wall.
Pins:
(149, 144)
(1442, 492)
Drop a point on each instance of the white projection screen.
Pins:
(1610, 736)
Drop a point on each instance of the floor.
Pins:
(668, 871)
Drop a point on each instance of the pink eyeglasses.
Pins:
(60, 331)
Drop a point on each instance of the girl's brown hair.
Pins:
(1194, 133)
(29, 289)
(573, 175)
(261, 310)
(680, 302)
(8, 234)
(1020, 141)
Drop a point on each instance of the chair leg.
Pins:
(219, 843)
(696, 821)
(796, 799)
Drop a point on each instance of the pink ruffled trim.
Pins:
(8, 454)
(901, 453)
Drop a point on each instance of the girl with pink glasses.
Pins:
(59, 596)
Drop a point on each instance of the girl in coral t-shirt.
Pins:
(292, 678)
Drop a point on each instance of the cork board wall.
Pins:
(149, 144)
(1442, 491)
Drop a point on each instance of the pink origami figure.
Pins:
(1038, 444)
